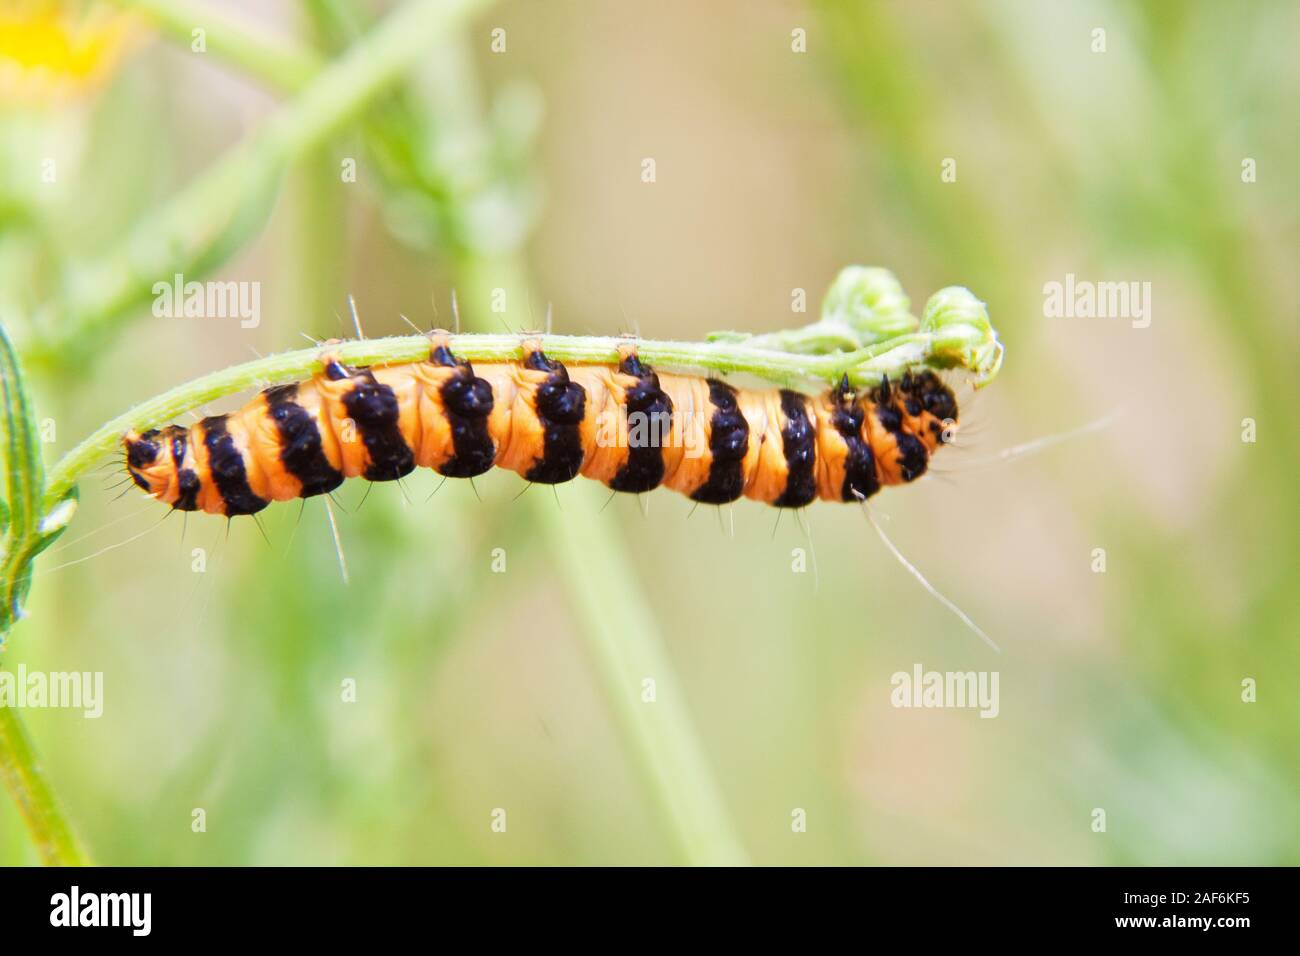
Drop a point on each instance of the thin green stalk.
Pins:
(208, 219)
(281, 62)
(24, 779)
(620, 632)
(303, 363)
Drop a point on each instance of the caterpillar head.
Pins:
(930, 407)
(149, 459)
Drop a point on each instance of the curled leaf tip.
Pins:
(870, 301)
(961, 333)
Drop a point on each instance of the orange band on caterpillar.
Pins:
(623, 425)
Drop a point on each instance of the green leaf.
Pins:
(19, 445)
(27, 531)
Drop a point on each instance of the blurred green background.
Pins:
(521, 170)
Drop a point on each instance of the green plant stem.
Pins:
(23, 778)
(865, 366)
(195, 229)
(280, 62)
(620, 633)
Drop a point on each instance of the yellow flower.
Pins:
(52, 51)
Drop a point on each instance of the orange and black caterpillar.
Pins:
(714, 443)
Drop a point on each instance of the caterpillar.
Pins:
(620, 423)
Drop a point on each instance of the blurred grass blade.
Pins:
(280, 61)
(24, 484)
(663, 742)
(20, 770)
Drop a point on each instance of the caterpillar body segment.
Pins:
(624, 425)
